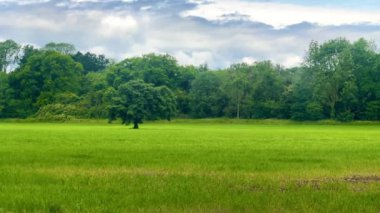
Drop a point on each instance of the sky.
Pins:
(216, 32)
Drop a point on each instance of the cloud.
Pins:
(193, 58)
(230, 31)
(280, 15)
(23, 2)
(115, 26)
(100, 50)
(292, 61)
(248, 60)
(27, 22)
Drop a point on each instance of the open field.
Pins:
(189, 167)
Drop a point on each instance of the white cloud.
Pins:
(23, 2)
(248, 60)
(27, 22)
(139, 49)
(114, 26)
(281, 15)
(292, 61)
(193, 58)
(31, 44)
(100, 50)
(84, 1)
(198, 1)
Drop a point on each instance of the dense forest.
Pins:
(338, 80)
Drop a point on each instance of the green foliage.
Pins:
(346, 116)
(91, 62)
(136, 101)
(4, 86)
(27, 52)
(338, 80)
(206, 100)
(314, 111)
(63, 48)
(254, 91)
(158, 70)
(373, 110)
(334, 82)
(238, 88)
(43, 77)
(93, 98)
(9, 52)
(66, 98)
(266, 109)
(58, 112)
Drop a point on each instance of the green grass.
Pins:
(190, 166)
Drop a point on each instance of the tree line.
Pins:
(338, 80)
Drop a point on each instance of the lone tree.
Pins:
(136, 101)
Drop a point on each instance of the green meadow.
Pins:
(190, 166)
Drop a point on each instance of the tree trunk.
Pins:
(238, 108)
(332, 111)
(135, 125)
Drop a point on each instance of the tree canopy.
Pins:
(64, 48)
(338, 79)
(136, 101)
(9, 54)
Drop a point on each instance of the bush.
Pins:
(58, 112)
(346, 116)
(314, 111)
(298, 112)
(373, 110)
(267, 109)
(66, 98)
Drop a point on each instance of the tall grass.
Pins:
(190, 166)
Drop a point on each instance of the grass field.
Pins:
(189, 167)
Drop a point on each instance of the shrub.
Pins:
(373, 110)
(346, 116)
(58, 112)
(314, 111)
